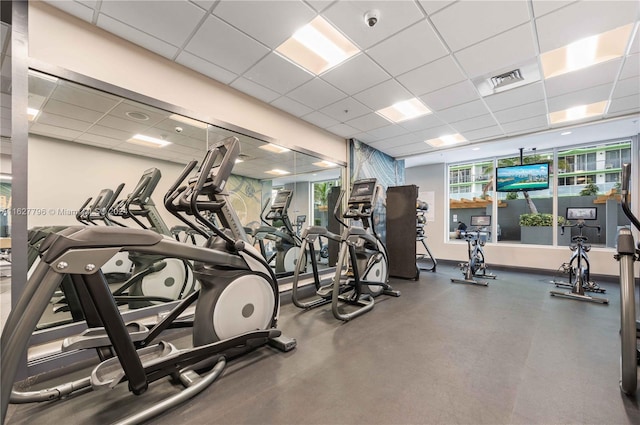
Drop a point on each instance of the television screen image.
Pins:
(522, 177)
(480, 220)
(583, 213)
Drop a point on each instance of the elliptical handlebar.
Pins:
(337, 208)
(625, 204)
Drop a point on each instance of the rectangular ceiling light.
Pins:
(448, 140)
(274, 148)
(578, 112)
(317, 46)
(32, 113)
(586, 52)
(189, 121)
(325, 164)
(278, 172)
(405, 110)
(150, 142)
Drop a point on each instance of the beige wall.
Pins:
(65, 41)
(432, 178)
(62, 175)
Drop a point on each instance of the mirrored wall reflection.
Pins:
(5, 165)
(97, 159)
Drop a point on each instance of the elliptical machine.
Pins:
(476, 266)
(278, 228)
(236, 309)
(578, 267)
(362, 270)
(628, 253)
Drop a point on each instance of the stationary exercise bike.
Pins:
(236, 307)
(476, 238)
(362, 270)
(578, 267)
(628, 253)
(278, 229)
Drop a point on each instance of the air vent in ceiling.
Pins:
(506, 79)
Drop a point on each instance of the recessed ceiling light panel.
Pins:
(150, 142)
(448, 140)
(274, 148)
(317, 47)
(325, 164)
(586, 52)
(405, 110)
(578, 112)
(278, 172)
(32, 113)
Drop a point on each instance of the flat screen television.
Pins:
(480, 220)
(522, 177)
(582, 213)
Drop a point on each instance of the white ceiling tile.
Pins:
(72, 111)
(291, 106)
(74, 8)
(582, 97)
(278, 74)
(626, 87)
(523, 111)
(53, 131)
(432, 6)
(383, 95)
(583, 19)
(476, 123)
(205, 4)
(155, 115)
(635, 45)
(585, 78)
(463, 112)
(319, 5)
(62, 122)
(320, 119)
(343, 130)
(453, 95)
(270, 22)
(392, 130)
(409, 49)
(255, 90)
(364, 137)
(483, 133)
(218, 42)
(205, 67)
(170, 21)
(316, 94)
(514, 97)
(91, 100)
(625, 105)
(529, 124)
(431, 77)
(99, 140)
(542, 7)
(432, 133)
(403, 140)
(631, 67)
(405, 150)
(498, 53)
(138, 37)
(421, 123)
(346, 109)
(348, 17)
(460, 24)
(128, 126)
(109, 132)
(356, 74)
(368, 122)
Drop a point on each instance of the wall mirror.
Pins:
(85, 143)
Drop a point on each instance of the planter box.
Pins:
(542, 235)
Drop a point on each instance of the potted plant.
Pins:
(536, 229)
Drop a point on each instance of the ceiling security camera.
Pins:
(372, 17)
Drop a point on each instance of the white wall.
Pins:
(65, 41)
(62, 175)
(5, 164)
(432, 178)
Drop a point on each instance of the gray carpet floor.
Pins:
(442, 353)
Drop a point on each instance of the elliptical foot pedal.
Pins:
(283, 343)
(109, 373)
(97, 337)
(392, 292)
(325, 291)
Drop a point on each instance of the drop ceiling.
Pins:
(433, 50)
